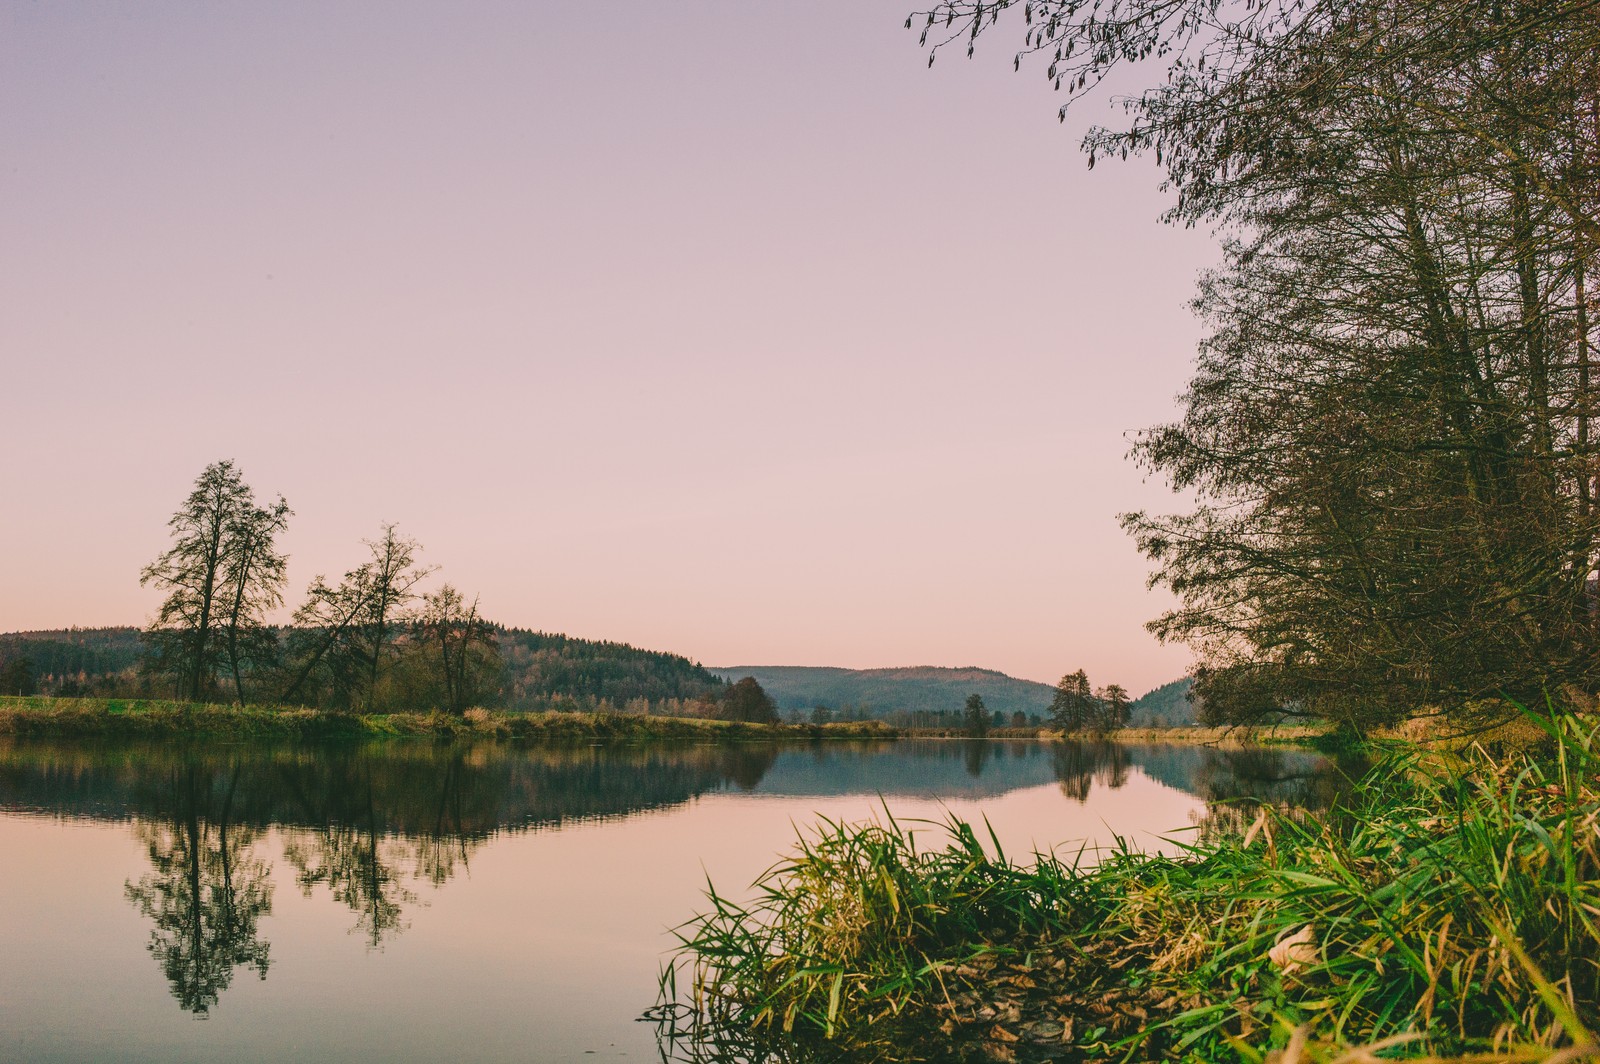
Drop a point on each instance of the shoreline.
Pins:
(119, 718)
(39, 716)
(1441, 913)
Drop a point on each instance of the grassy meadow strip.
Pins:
(131, 718)
(1451, 911)
(1230, 737)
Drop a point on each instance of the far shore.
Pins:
(39, 717)
(45, 717)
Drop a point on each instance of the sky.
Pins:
(724, 328)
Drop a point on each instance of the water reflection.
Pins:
(369, 826)
(207, 889)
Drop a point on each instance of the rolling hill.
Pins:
(1168, 706)
(880, 692)
(929, 689)
(539, 670)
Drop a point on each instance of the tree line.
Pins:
(1079, 709)
(1390, 431)
(369, 640)
(372, 641)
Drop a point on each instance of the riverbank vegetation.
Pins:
(1446, 909)
(376, 640)
(132, 718)
(1387, 450)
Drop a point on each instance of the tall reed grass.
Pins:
(1449, 910)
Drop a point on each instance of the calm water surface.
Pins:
(411, 902)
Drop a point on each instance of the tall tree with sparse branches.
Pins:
(219, 574)
(346, 632)
(254, 576)
(460, 645)
(1389, 434)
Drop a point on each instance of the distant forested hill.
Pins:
(75, 660)
(539, 669)
(884, 692)
(1168, 706)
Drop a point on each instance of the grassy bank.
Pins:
(1231, 737)
(129, 718)
(1451, 912)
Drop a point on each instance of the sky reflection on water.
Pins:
(408, 901)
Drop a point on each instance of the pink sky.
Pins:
(722, 328)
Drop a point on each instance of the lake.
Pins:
(415, 901)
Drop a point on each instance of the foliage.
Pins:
(37, 716)
(975, 717)
(79, 661)
(1388, 430)
(1388, 436)
(1446, 911)
(221, 574)
(459, 645)
(745, 701)
(1074, 708)
(17, 676)
(543, 666)
(1115, 707)
(346, 634)
(912, 697)
(536, 671)
(1167, 706)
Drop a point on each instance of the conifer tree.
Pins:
(975, 718)
(1074, 708)
(1114, 703)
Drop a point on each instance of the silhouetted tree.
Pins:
(254, 576)
(17, 676)
(346, 632)
(1388, 440)
(220, 571)
(1114, 704)
(459, 646)
(1074, 708)
(975, 717)
(746, 701)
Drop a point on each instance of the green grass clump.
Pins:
(1448, 910)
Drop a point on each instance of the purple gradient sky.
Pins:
(722, 328)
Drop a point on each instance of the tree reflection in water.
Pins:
(1233, 782)
(975, 754)
(1081, 766)
(370, 824)
(206, 893)
(366, 822)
